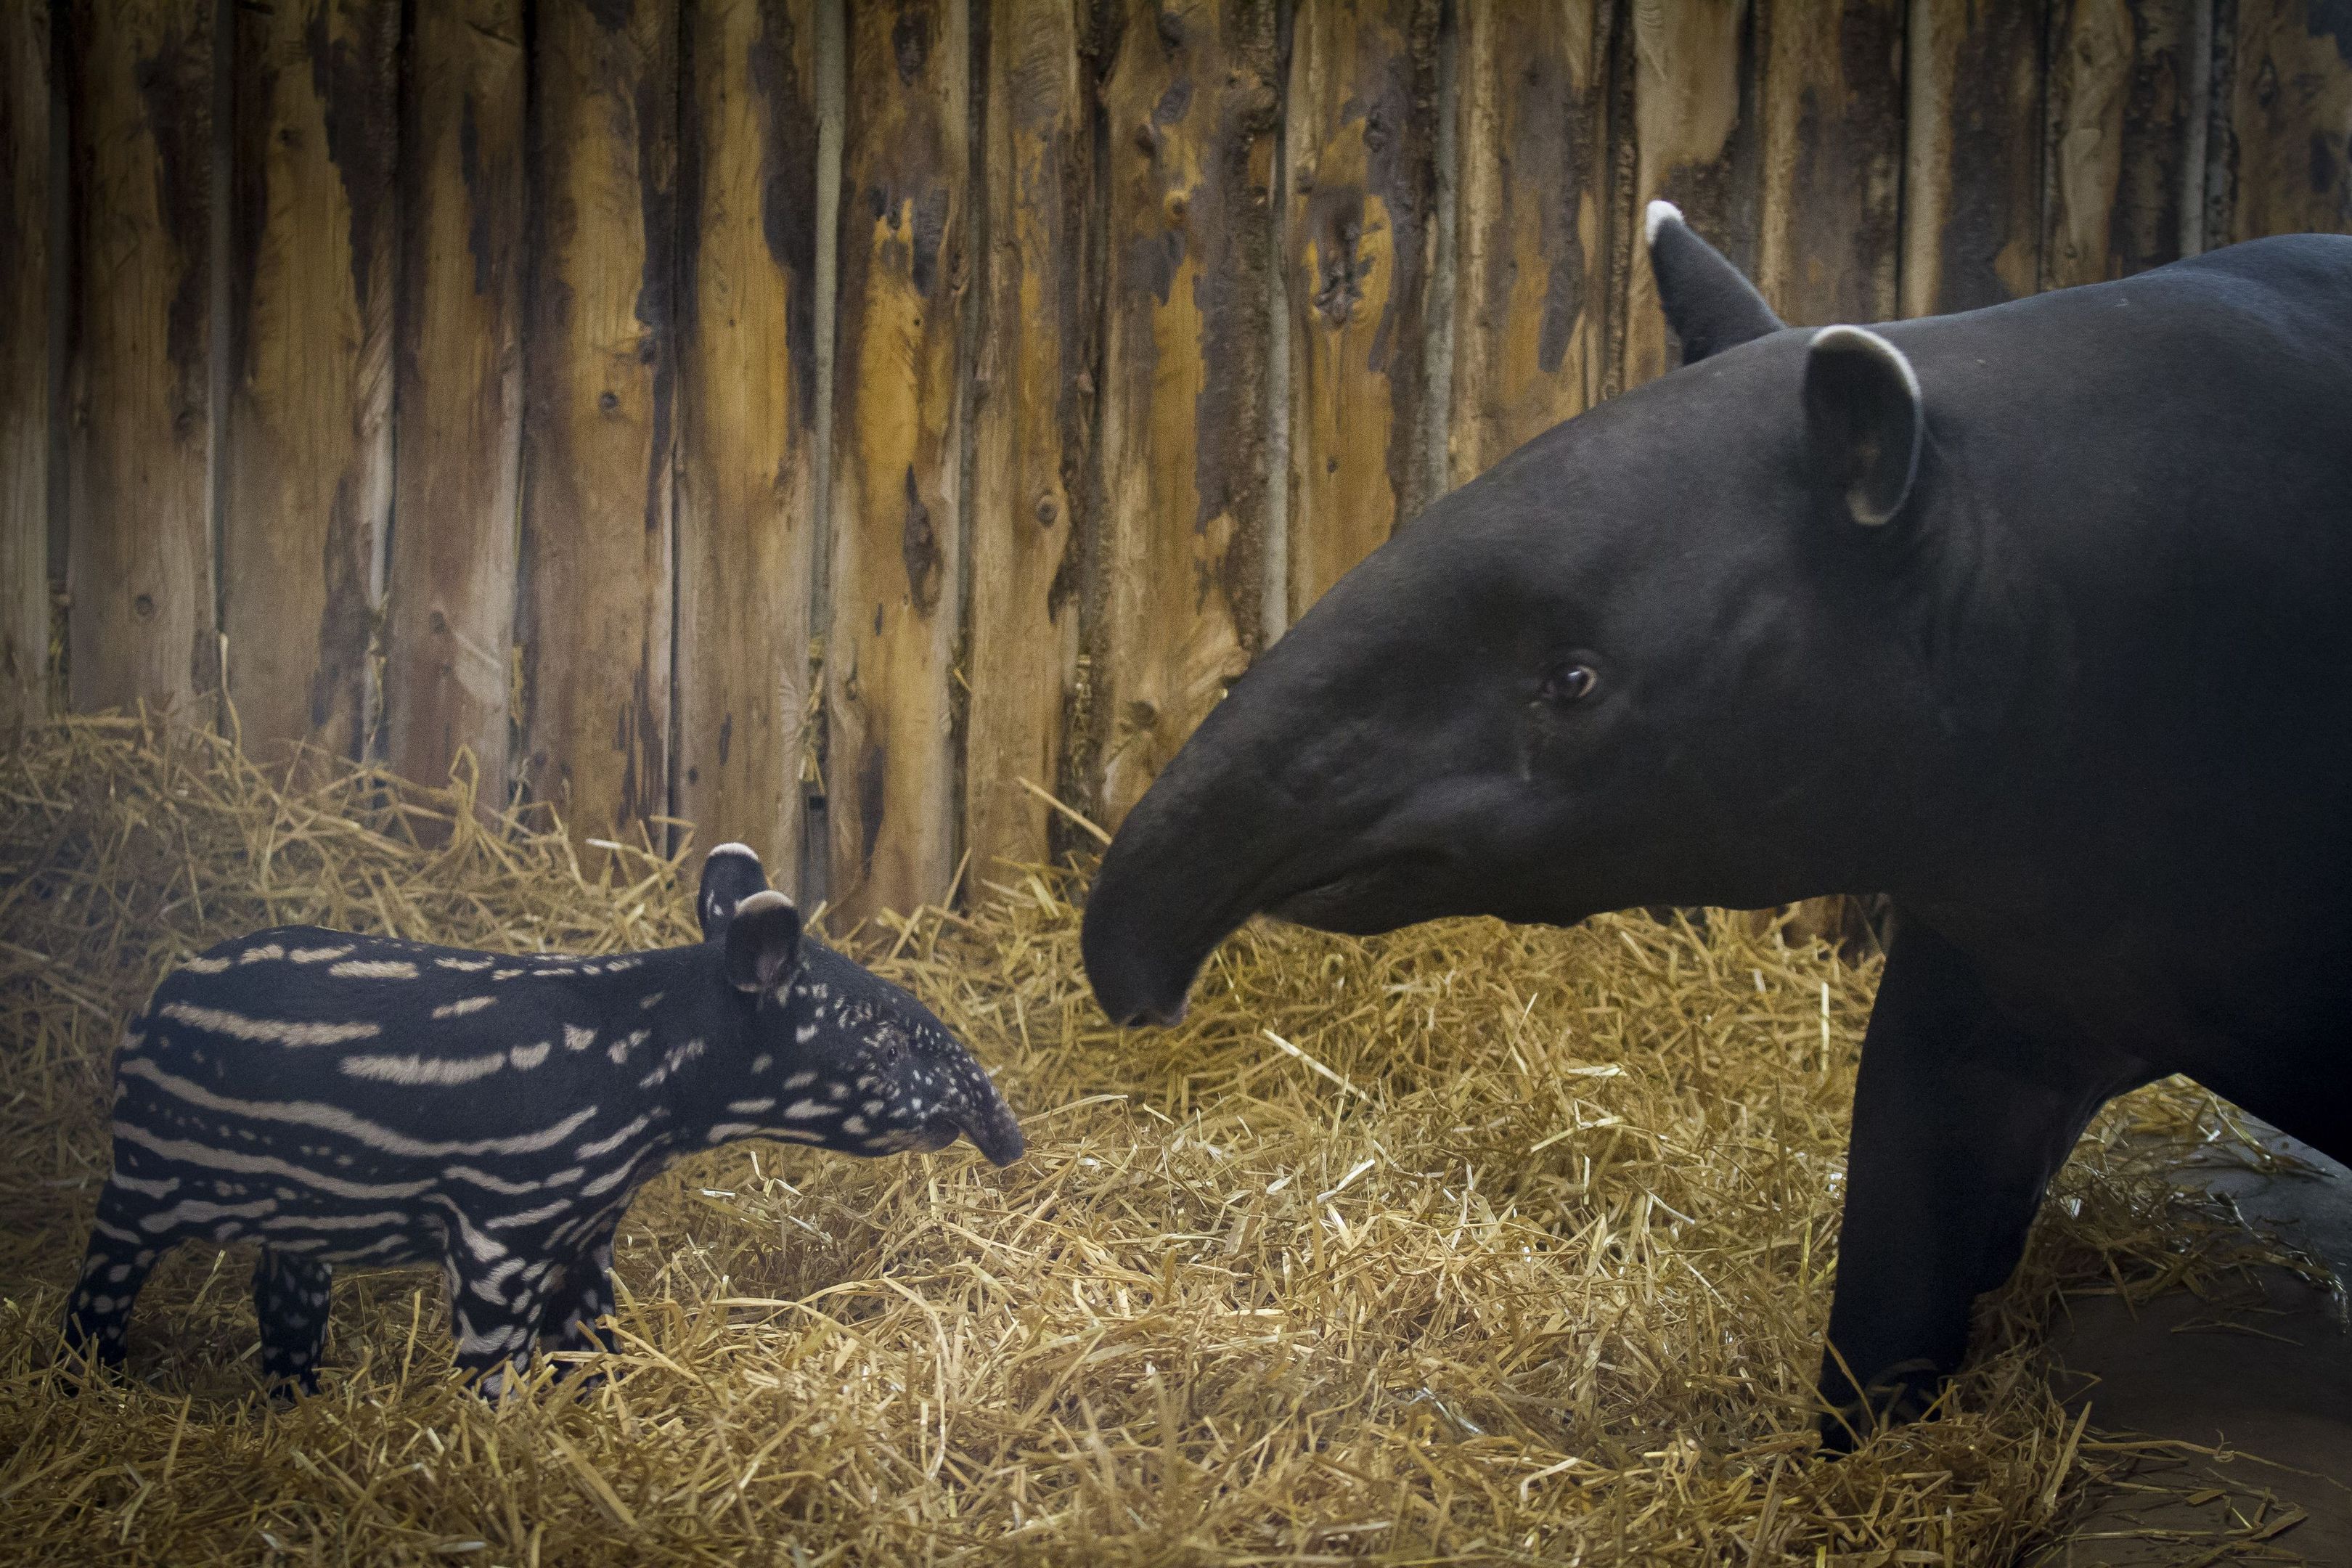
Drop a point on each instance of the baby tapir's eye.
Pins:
(1569, 682)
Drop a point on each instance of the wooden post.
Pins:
(1973, 135)
(1030, 425)
(2291, 118)
(2125, 85)
(1189, 106)
(1530, 337)
(1361, 138)
(897, 513)
(25, 326)
(309, 414)
(140, 562)
(451, 580)
(1833, 158)
(1694, 144)
(595, 618)
(747, 427)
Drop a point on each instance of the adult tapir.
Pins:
(2037, 618)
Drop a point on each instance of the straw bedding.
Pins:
(1469, 1243)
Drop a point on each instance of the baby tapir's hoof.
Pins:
(1904, 1393)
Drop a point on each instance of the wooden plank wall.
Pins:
(498, 436)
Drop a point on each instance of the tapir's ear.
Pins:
(763, 941)
(1862, 405)
(730, 874)
(1707, 303)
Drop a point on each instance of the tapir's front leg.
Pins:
(1961, 1117)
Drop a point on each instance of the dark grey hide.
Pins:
(352, 1100)
(2037, 619)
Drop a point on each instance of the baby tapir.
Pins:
(354, 1100)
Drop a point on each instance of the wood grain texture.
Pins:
(897, 518)
(140, 562)
(747, 430)
(593, 616)
(1530, 336)
(1973, 144)
(25, 258)
(1694, 144)
(450, 577)
(1189, 104)
(310, 418)
(1831, 206)
(2124, 84)
(1030, 425)
(1360, 135)
(2291, 118)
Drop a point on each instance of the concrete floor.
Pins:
(2245, 1402)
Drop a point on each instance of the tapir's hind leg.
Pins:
(113, 1268)
(1961, 1117)
(289, 1297)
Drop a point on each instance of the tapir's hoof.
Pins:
(1902, 1394)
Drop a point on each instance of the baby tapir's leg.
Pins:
(289, 1297)
(112, 1269)
(495, 1307)
(584, 1296)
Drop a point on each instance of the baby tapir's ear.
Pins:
(763, 941)
(730, 874)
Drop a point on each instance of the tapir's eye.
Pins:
(1569, 683)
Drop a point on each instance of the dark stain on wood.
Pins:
(175, 86)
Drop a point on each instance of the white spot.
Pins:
(802, 1109)
(873, 1108)
(319, 955)
(464, 1005)
(749, 1107)
(281, 1031)
(854, 1126)
(804, 1033)
(800, 1080)
(268, 950)
(652, 1002)
(619, 1050)
(374, 969)
(1658, 215)
(761, 1063)
(413, 1070)
(677, 1057)
(505, 974)
(464, 965)
(206, 965)
(727, 1130)
(526, 1058)
(576, 1039)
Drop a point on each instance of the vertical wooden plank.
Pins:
(25, 328)
(747, 427)
(139, 559)
(309, 416)
(1531, 340)
(1030, 425)
(1973, 140)
(596, 601)
(2122, 92)
(1831, 206)
(2291, 118)
(450, 578)
(1694, 144)
(1188, 104)
(1360, 140)
(898, 522)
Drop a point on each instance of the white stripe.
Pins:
(423, 1069)
(749, 1107)
(153, 1189)
(337, 1221)
(529, 1217)
(466, 966)
(317, 954)
(489, 1182)
(211, 1158)
(113, 1233)
(196, 1211)
(335, 1118)
(206, 965)
(464, 1005)
(376, 969)
(526, 1058)
(603, 1146)
(616, 1176)
(284, 1032)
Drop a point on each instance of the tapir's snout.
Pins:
(978, 1112)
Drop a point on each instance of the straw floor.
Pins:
(1470, 1244)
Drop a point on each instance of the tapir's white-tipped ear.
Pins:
(763, 941)
(731, 873)
(1707, 303)
(1867, 422)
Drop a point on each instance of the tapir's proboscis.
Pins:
(2037, 618)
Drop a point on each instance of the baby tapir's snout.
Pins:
(353, 1100)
